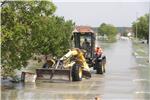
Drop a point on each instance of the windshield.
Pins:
(83, 38)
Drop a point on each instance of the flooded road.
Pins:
(122, 81)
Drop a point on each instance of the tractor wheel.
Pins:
(99, 68)
(76, 72)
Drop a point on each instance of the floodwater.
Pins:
(123, 80)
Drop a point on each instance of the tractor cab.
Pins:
(84, 38)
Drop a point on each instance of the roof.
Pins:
(83, 29)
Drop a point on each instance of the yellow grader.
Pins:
(77, 61)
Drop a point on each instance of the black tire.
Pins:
(104, 62)
(76, 75)
(99, 68)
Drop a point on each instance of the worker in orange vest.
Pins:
(99, 53)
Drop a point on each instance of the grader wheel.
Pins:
(76, 72)
(99, 68)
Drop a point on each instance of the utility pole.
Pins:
(149, 32)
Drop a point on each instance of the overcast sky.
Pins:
(94, 13)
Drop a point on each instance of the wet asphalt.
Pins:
(122, 81)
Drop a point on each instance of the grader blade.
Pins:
(51, 72)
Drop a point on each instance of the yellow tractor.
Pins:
(77, 61)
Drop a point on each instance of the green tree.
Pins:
(55, 37)
(142, 25)
(29, 28)
(109, 30)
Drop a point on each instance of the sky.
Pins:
(94, 12)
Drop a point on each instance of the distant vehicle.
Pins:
(124, 38)
(143, 41)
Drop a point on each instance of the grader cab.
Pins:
(84, 39)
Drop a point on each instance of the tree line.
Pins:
(109, 30)
(141, 26)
